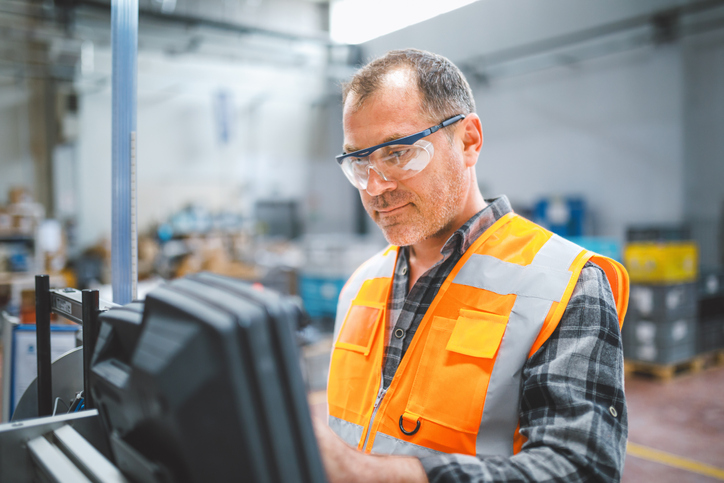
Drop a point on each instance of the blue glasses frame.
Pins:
(407, 140)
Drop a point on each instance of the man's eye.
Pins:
(359, 164)
(397, 156)
(401, 153)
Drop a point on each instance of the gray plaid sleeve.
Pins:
(573, 409)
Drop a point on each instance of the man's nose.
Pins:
(376, 183)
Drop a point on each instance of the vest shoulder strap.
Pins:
(618, 278)
(381, 264)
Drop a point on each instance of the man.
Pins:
(478, 346)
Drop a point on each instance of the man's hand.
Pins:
(340, 460)
(346, 464)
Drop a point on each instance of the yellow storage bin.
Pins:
(656, 262)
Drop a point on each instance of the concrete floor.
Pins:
(684, 417)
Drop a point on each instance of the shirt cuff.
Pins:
(433, 463)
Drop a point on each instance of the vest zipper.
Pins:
(380, 395)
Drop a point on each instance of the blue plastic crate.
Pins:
(564, 216)
(608, 247)
(320, 294)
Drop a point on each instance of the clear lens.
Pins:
(348, 171)
(395, 162)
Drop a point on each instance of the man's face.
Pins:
(420, 207)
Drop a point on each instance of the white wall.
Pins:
(608, 129)
(704, 142)
(331, 199)
(181, 156)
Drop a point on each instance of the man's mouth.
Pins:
(391, 211)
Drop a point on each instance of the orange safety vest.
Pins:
(457, 389)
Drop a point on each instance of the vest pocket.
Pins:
(454, 370)
(359, 327)
(477, 334)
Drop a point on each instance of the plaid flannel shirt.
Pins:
(572, 409)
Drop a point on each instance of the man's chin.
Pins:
(402, 236)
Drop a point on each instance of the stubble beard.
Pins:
(431, 217)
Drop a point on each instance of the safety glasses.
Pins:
(396, 160)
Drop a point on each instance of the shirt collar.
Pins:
(476, 225)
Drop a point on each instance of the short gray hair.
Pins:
(444, 89)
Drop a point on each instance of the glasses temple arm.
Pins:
(452, 120)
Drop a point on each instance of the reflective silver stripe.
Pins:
(345, 300)
(378, 266)
(351, 433)
(385, 444)
(489, 273)
(557, 253)
(500, 414)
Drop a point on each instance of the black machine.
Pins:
(201, 382)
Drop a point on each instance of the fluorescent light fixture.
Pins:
(357, 21)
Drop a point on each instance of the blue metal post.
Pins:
(124, 40)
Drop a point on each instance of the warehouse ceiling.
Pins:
(46, 38)
(69, 40)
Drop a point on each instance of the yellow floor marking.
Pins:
(674, 461)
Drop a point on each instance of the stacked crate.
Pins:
(661, 323)
(711, 312)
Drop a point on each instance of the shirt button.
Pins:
(613, 411)
(404, 270)
(399, 333)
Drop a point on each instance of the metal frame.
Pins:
(78, 439)
(124, 256)
(81, 307)
(8, 323)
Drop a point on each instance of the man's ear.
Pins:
(472, 138)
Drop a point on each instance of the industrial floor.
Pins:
(684, 419)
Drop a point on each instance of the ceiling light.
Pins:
(357, 21)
